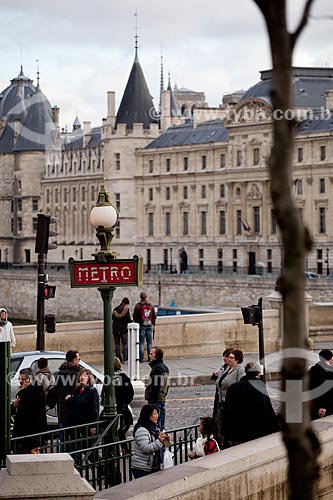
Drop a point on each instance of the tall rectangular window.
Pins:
(117, 231)
(117, 201)
(167, 223)
(222, 160)
(238, 222)
(321, 185)
(322, 153)
(299, 187)
(34, 223)
(203, 216)
(185, 223)
(151, 166)
(201, 259)
(185, 192)
(150, 194)
(203, 162)
(83, 193)
(74, 195)
(322, 220)
(269, 260)
(185, 162)
(168, 164)
(300, 155)
(203, 191)
(256, 220)
(148, 259)
(219, 260)
(117, 160)
(234, 260)
(151, 224)
(35, 204)
(239, 158)
(167, 193)
(256, 156)
(222, 190)
(222, 222)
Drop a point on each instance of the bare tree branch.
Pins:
(294, 36)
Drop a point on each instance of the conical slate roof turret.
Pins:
(137, 104)
(173, 102)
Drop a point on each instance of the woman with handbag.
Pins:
(149, 443)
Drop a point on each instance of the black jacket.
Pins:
(65, 380)
(248, 413)
(84, 406)
(319, 374)
(158, 383)
(31, 413)
(121, 317)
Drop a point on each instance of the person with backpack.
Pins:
(144, 314)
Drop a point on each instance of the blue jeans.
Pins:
(137, 473)
(160, 405)
(146, 332)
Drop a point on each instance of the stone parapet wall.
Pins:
(250, 471)
(195, 335)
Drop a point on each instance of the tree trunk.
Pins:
(302, 445)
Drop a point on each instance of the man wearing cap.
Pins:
(321, 383)
(6, 329)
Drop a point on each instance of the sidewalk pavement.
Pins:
(197, 370)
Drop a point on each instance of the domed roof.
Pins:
(309, 86)
(12, 98)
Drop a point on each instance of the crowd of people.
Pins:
(242, 407)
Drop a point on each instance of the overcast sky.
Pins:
(87, 48)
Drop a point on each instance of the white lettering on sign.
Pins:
(95, 274)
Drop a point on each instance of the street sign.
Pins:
(116, 272)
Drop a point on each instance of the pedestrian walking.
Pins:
(65, 381)
(321, 385)
(121, 317)
(144, 314)
(248, 413)
(231, 375)
(216, 375)
(6, 329)
(29, 406)
(124, 393)
(148, 443)
(44, 377)
(158, 383)
(206, 444)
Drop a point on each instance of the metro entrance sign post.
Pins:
(106, 273)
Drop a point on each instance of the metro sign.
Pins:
(117, 272)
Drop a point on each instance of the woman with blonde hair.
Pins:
(84, 401)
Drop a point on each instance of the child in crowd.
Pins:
(206, 444)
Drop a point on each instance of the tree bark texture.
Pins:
(302, 445)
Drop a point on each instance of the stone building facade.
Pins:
(195, 181)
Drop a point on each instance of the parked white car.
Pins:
(20, 360)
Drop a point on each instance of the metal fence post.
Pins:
(133, 351)
(4, 400)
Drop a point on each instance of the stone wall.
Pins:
(250, 471)
(18, 293)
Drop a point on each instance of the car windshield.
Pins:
(14, 365)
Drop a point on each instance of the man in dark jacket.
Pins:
(158, 383)
(65, 380)
(321, 383)
(248, 413)
(30, 408)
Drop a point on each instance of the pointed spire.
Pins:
(162, 78)
(173, 102)
(136, 37)
(37, 62)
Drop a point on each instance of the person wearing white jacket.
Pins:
(6, 329)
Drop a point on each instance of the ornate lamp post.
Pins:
(104, 217)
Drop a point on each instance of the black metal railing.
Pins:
(101, 462)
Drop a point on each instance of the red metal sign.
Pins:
(125, 272)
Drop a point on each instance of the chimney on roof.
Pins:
(86, 133)
(111, 104)
(329, 100)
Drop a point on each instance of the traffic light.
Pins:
(251, 315)
(43, 245)
(50, 323)
(49, 292)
